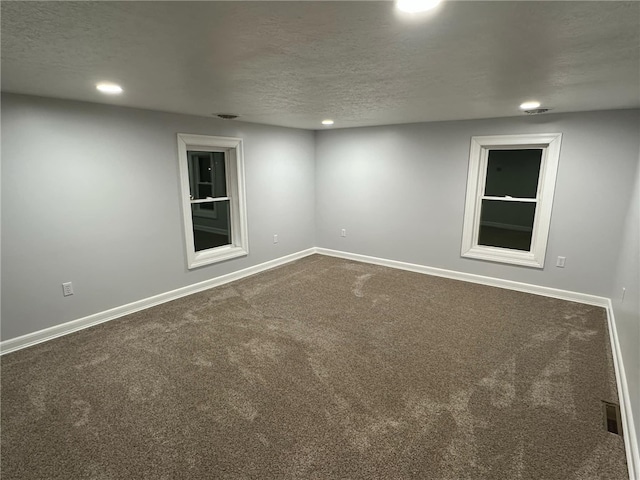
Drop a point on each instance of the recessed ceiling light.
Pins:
(529, 105)
(109, 88)
(416, 6)
(327, 122)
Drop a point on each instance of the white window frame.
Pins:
(234, 159)
(478, 160)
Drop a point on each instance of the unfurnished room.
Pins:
(320, 240)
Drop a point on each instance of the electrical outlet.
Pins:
(275, 238)
(343, 233)
(561, 261)
(67, 289)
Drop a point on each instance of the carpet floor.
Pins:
(321, 369)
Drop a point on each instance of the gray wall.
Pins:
(400, 193)
(627, 311)
(90, 194)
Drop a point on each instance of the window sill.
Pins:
(502, 255)
(216, 255)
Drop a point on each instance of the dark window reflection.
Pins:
(211, 232)
(506, 224)
(205, 167)
(207, 175)
(513, 173)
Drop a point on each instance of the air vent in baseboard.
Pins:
(612, 420)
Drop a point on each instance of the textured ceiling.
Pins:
(295, 63)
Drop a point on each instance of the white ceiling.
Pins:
(296, 63)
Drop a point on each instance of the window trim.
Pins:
(478, 158)
(235, 178)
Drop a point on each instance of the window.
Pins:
(509, 198)
(213, 198)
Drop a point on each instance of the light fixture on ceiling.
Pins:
(536, 111)
(529, 105)
(416, 6)
(327, 122)
(109, 88)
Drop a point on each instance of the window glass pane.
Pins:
(220, 175)
(207, 174)
(204, 190)
(211, 232)
(506, 224)
(513, 173)
(204, 167)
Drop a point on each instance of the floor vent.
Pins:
(612, 421)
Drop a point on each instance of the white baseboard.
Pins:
(472, 278)
(629, 432)
(626, 412)
(50, 333)
(631, 444)
(34, 338)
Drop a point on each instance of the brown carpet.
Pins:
(320, 369)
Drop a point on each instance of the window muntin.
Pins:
(509, 198)
(212, 181)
